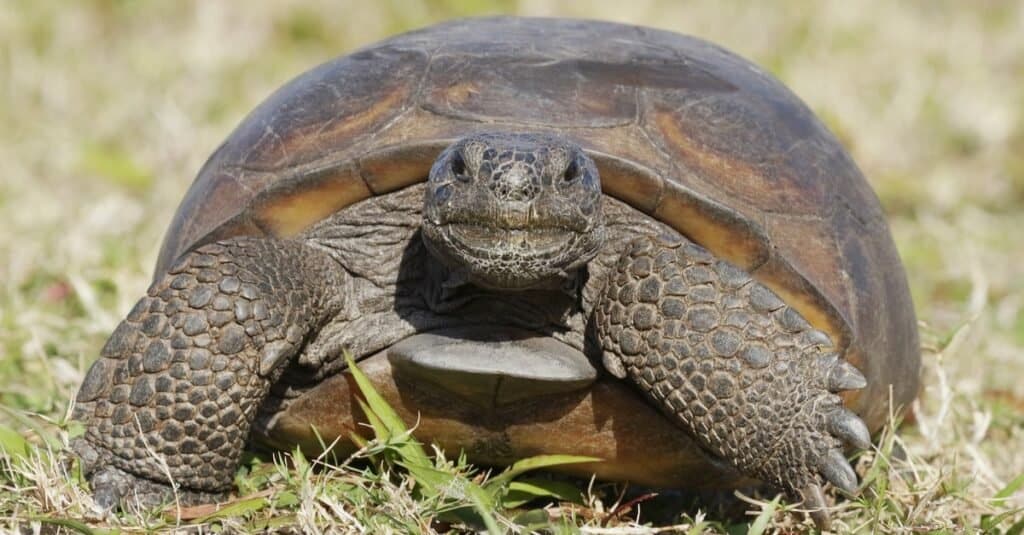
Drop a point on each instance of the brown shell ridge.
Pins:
(673, 200)
(802, 295)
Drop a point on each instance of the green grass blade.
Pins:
(698, 528)
(534, 463)
(533, 520)
(300, 462)
(285, 523)
(74, 525)
(429, 477)
(523, 491)
(760, 523)
(13, 444)
(483, 503)
(42, 431)
(403, 445)
(1016, 529)
(380, 430)
(989, 523)
(386, 416)
(388, 426)
(358, 440)
(455, 486)
(1010, 488)
(286, 499)
(239, 508)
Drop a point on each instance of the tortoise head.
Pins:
(514, 210)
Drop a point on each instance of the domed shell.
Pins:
(681, 129)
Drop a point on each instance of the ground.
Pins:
(109, 108)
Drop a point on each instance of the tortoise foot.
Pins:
(114, 488)
(733, 365)
(179, 382)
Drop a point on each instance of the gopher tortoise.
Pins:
(535, 236)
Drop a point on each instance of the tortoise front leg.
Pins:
(739, 370)
(181, 378)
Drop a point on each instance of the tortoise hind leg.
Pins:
(733, 365)
(181, 378)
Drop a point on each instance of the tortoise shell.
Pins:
(681, 129)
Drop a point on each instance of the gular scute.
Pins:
(491, 367)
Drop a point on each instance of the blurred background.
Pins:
(108, 109)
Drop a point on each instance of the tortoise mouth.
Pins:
(523, 243)
(505, 258)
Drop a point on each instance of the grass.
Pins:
(110, 107)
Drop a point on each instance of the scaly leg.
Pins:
(739, 370)
(181, 378)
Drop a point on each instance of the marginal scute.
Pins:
(637, 185)
(289, 207)
(716, 227)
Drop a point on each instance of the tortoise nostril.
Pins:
(458, 166)
(571, 171)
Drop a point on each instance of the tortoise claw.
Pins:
(844, 376)
(836, 469)
(849, 428)
(814, 503)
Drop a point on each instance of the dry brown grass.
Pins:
(109, 107)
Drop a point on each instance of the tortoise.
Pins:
(534, 236)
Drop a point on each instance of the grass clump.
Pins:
(111, 107)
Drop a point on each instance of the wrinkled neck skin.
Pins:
(514, 211)
(396, 287)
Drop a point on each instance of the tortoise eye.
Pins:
(572, 171)
(458, 165)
